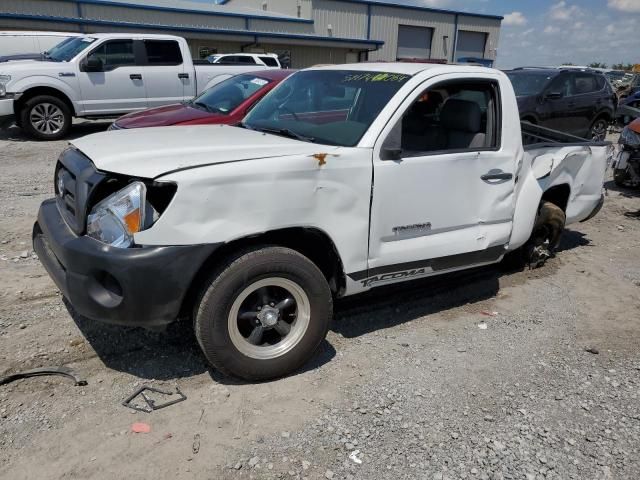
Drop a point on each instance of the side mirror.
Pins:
(391, 153)
(93, 64)
(554, 96)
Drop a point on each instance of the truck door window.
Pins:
(163, 52)
(451, 117)
(114, 54)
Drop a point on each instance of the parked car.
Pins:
(265, 59)
(254, 230)
(578, 102)
(20, 45)
(103, 75)
(225, 103)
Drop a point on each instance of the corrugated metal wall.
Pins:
(347, 20)
(286, 7)
(39, 7)
(123, 14)
(384, 26)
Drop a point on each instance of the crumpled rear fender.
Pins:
(582, 168)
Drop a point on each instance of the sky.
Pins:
(552, 32)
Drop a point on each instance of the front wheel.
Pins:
(263, 314)
(45, 117)
(598, 130)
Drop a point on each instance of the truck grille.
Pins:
(75, 181)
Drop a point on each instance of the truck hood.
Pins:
(34, 67)
(152, 152)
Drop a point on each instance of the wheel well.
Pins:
(558, 195)
(530, 120)
(603, 115)
(34, 92)
(310, 242)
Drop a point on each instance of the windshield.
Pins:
(226, 96)
(69, 48)
(333, 107)
(529, 83)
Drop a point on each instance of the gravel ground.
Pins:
(485, 374)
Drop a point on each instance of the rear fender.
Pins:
(582, 168)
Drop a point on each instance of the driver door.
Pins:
(443, 194)
(120, 86)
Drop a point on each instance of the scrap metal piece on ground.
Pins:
(151, 403)
(38, 372)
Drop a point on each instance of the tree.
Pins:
(597, 65)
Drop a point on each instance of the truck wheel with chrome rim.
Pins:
(263, 314)
(45, 117)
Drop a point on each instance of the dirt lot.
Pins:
(417, 381)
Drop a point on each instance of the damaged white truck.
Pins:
(342, 179)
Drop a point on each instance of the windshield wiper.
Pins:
(205, 106)
(285, 132)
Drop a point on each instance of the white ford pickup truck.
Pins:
(340, 180)
(103, 75)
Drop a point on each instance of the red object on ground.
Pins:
(190, 114)
(140, 427)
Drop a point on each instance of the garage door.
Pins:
(470, 44)
(414, 42)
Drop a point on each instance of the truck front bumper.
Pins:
(6, 111)
(143, 286)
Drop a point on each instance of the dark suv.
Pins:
(579, 102)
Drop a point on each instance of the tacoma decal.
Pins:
(390, 277)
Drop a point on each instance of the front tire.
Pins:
(45, 117)
(598, 131)
(263, 314)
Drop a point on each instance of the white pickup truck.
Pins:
(103, 75)
(340, 180)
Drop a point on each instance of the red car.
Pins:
(225, 103)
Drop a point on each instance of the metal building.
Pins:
(306, 32)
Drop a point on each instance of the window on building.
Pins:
(163, 52)
(414, 42)
(470, 45)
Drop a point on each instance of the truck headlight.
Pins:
(118, 217)
(4, 79)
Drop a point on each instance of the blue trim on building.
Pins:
(218, 31)
(424, 9)
(158, 8)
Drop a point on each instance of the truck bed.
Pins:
(535, 136)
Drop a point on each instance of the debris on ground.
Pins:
(39, 372)
(140, 427)
(150, 403)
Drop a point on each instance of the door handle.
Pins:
(497, 176)
(135, 76)
(183, 75)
